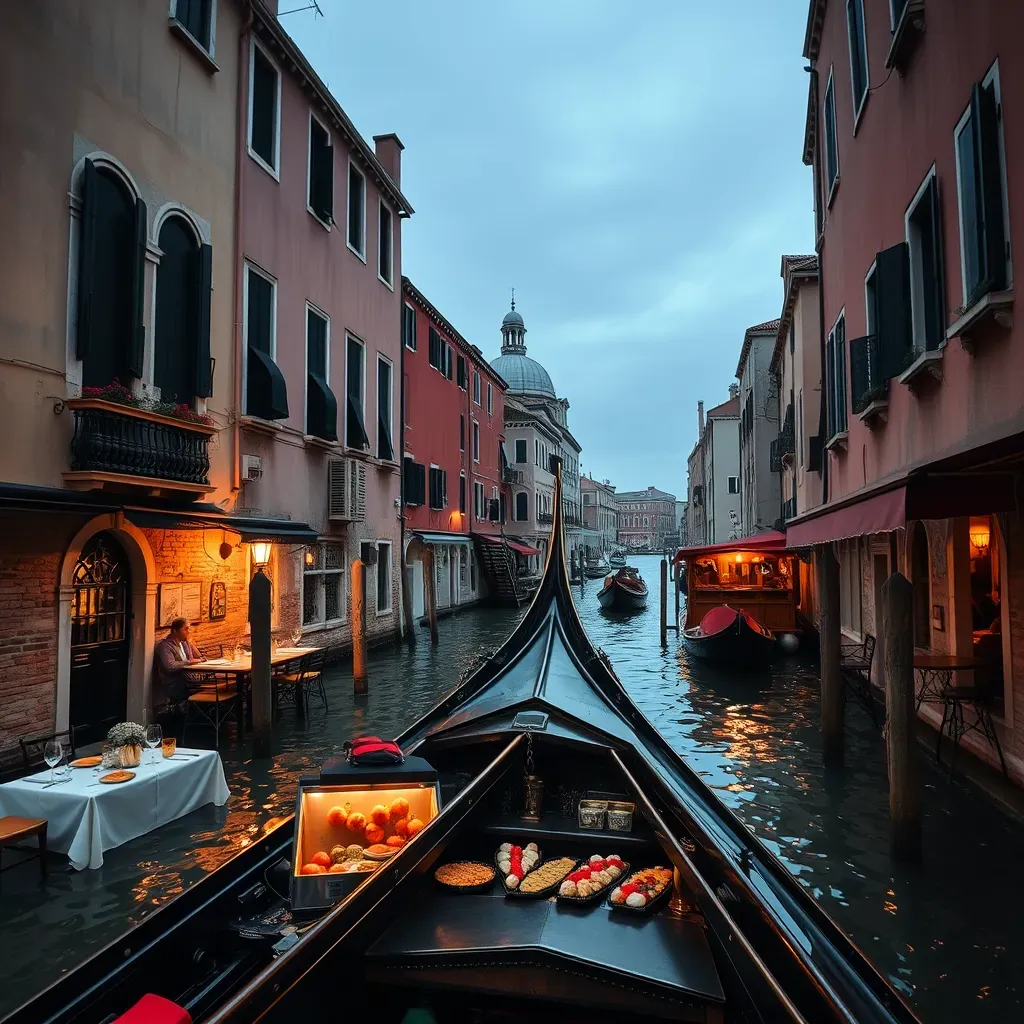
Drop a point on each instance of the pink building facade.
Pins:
(915, 131)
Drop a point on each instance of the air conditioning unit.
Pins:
(346, 490)
(252, 467)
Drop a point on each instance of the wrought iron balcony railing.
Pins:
(783, 446)
(545, 517)
(867, 384)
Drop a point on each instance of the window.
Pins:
(414, 480)
(385, 247)
(462, 433)
(800, 425)
(476, 387)
(792, 340)
(587, 498)
(448, 361)
(647, 522)
(265, 392)
(409, 327)
(520, 450)
(320, 173)
(896, 8)
(462, 493)
(383, 577)
(435, 350)
(385, 445)
(461, 377)
(323, 584)
(479, 504)
(871, 300)
(438, 488)
(355, 390)
(982, 195)
(858, 55)
(321, 406)
(522, 507)
(181, 335)
(356, 211)
(835, 365)
(734, 488)
(476, 441)
(831, 143)
(921, 577)
(924, 241)
(850, 586)
(196, 17)
(490, 400)
(264, 110)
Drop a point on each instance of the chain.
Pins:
(529, 753)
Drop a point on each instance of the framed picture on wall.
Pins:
(938, 618)
(218, 600)
(176, 600)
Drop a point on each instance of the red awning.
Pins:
(879, 513)
(523, 549)
(491, 538)
(770, 543)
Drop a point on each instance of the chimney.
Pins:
(700, 420)
(389, 152)
(734, 390)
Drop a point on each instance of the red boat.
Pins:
(730, 638)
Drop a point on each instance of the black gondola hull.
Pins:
(738, 647)
(616, 597)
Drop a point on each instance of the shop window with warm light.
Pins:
(323, 584)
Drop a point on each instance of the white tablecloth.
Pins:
(87, 817)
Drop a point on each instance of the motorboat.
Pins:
(623, 591)
(537, 749)
(731, 638)
(596, 568)
(617, 559)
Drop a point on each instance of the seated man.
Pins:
(173, 657)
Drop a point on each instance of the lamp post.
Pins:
(259, 624)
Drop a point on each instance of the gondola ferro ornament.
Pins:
(533, 787)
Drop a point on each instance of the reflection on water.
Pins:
(947, 935)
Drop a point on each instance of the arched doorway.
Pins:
(921, 576)
(100, 638)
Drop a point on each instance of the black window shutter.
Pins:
(357, 437)
(462, 494)
(892, 291)
(985, 126)
(323, 165)
(86, 260)
(203, 378)
(137, 337)
(935, 291)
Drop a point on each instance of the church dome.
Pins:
(525, 376)
(512, 317)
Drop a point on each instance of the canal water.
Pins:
(948, 935)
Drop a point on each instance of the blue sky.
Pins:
(632, 169)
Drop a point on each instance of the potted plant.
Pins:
(126, 739)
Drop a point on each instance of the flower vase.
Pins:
(130, 756)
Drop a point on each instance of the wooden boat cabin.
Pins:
(755, 574)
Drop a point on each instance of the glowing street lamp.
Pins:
(260, 553)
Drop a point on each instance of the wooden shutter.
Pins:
(86, 260)
(204, 279)
(322, 175)
(937, 315)
(985, 127)
(137, 336)
(892, 291)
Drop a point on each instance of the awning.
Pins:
(770, 543)
(492, 538)
(441, 538)
(926, 496)
(29, 498)
(248, 527)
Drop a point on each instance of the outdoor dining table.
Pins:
(87, 817)
(241, 668)
(936, 672)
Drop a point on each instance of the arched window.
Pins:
(636, 522)
(522, 507)
(920, 572)
(182, 317)
(111, 270)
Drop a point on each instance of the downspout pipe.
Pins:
(242, 115)
(820, 221)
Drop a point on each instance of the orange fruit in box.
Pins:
(380, 815)
(374, 833)
(402, 827)
(313, 869)
(336, 869)
(397, 842)
(415, 826)
(399, 808)
(336, 817)
(322, 858)
(356, 822)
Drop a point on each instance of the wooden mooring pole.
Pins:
(678, 581)
(831, 676)
(901, 719)
(360, 681)
(407, 616)
(430, 592)
(664, 602)
(259, 630)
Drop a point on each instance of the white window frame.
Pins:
(478, 500)
(917, 317)
(526, 451)
(362, 344)
(858, 105)
(849, 551)
(309, 166)
(475, 440)
(390, 279)
(462, 492)
(310, 308)
(869, 314)
(729, 486)
(830, 140)
(251, 268)
(274, 172)
(476, 386)
(381, 545)
(324, 623)
(991, 78)
(381, 358)
(179, 26)
(415, 345)
(490, 399)
(348, 202)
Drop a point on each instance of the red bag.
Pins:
(373, 750)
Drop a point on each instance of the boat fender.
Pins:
(789, 642)
(153, 1009)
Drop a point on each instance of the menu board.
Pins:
(179, 600)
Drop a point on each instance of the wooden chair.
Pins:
(32, 747)
(213, 698)
(14, 829)
(855, 665)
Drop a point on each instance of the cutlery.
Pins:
(178, 757)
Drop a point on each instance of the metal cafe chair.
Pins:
(288, 681)
(313, 678)
(213, 698)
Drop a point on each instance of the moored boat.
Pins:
(730, 638)
(595, 568)
(617, 559)
(540, 744)
(623, 591)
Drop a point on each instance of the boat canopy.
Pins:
(769, 543)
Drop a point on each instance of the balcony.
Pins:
(783, 447)
(545, 518)
(869, 389)
(118, 447)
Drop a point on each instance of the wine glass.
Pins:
(154, 734)
(296, 637)
(53, 751)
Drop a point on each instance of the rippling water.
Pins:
(948, 934)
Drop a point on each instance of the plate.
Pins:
(87, 762)
(594, 897)
(501, 874)
(478, 887)
(381, 855)
(548, 890)
(651, 905)
(115, 777)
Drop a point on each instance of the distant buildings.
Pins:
(647, 520)
(600, 515)
(713, 506)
